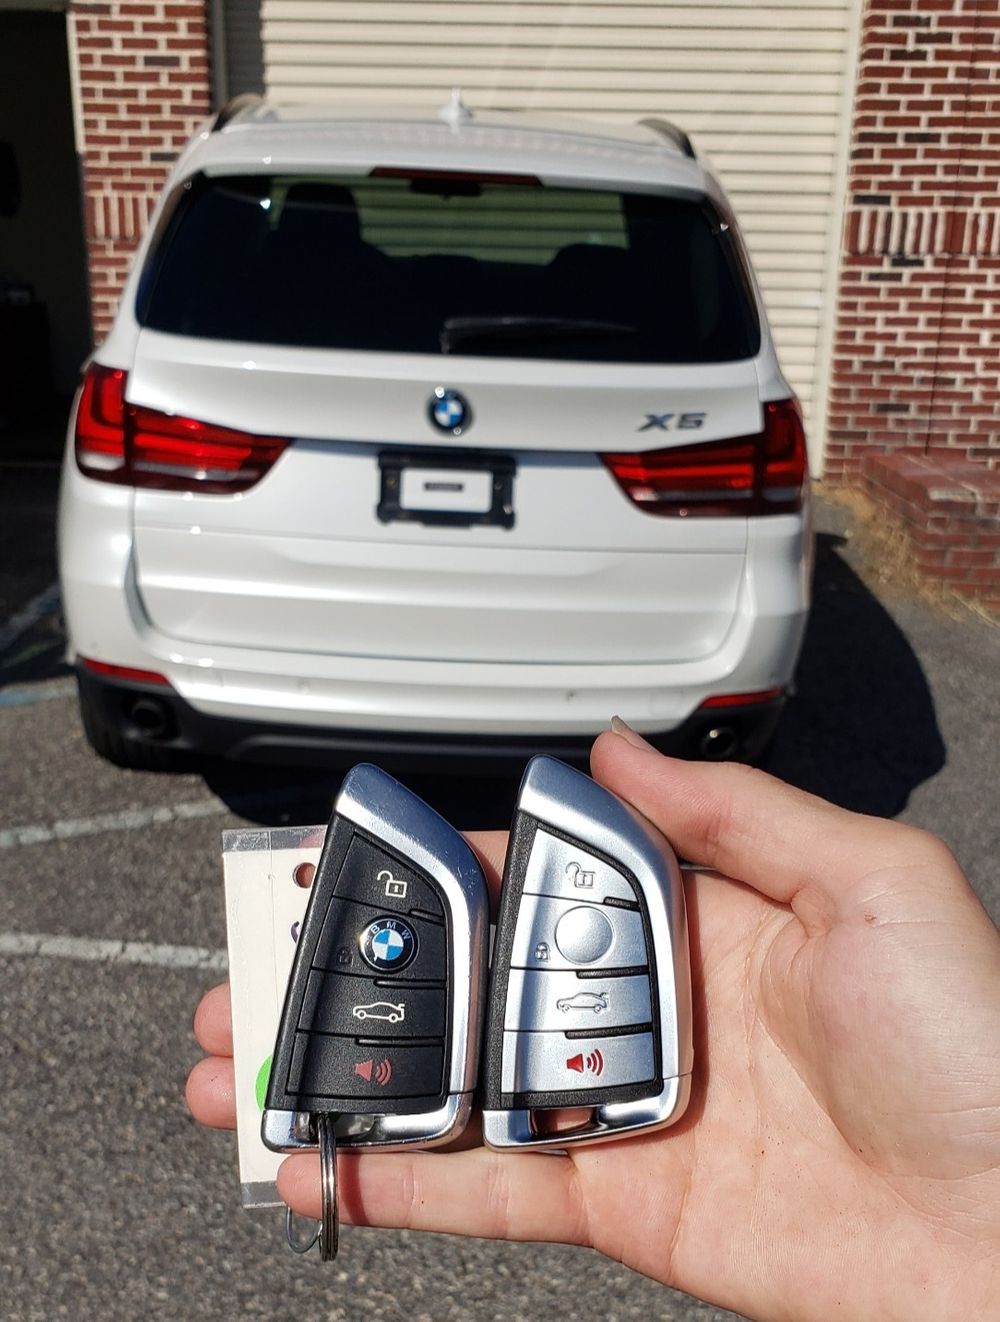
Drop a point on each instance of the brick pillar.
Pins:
(144, 87)
(917, 345)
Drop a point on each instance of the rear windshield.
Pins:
(449, 264)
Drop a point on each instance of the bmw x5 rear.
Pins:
(431, 438)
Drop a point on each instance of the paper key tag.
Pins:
(264, 909)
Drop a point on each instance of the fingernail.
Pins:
(620, 727)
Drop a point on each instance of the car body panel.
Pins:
(517, 403)
(597, 582)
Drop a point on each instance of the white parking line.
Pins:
(113, 952)
(21, 621)
(130, 819)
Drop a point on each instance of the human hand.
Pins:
(841, 1153)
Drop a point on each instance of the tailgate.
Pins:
(302, 561)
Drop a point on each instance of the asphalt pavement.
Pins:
(117, 1206)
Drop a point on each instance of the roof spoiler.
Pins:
(233, 107)
(672, 133)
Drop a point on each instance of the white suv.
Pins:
(434, 434)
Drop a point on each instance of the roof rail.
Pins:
(672, 133)
(232, 108)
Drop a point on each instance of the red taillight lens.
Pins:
(100, 423)
(762, 474)
(121, 442)
(785, 466)
(182, 454)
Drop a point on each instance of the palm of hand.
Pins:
(841, 1154)
(804, 1158)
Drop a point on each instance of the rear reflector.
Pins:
(741, 699)
(761, 474)
(122, 672)
(121, 442)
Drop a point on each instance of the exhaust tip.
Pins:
(719, 743)
(152, 718)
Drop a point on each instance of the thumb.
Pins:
(758, 830)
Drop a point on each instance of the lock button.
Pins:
(371, 876)
(558, 934)
(364, 941)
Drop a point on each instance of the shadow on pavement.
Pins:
(291, 797)
(861, 730)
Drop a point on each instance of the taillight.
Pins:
(121, 442)
(181, 454)
(762, 474)
(100, 423)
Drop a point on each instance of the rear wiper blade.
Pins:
(456, 330)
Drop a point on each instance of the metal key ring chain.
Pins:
(329, 1227)
(327, 1233)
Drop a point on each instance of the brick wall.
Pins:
(949, 509)
(917, 346)
(144, 85)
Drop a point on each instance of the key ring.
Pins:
(329, 1226)
(295, 1241)
(327, 1233)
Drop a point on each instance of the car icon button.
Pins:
(393, 1012)
(562, 1002)
(341, 1004)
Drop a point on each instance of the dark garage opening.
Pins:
(44, 313)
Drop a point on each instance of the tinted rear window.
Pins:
(449, 264)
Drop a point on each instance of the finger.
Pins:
(755, 828)
(211, 1092)
(213, 1021)
(490, 847)
(487, 1194)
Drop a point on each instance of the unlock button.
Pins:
(561, 869)
(371, 876)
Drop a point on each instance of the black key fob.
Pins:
(381, 1022)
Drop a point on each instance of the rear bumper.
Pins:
(155, 715)
(280, 704)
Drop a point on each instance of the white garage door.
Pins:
(764, 91)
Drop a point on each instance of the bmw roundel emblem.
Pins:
(388, 943)
(449, 411)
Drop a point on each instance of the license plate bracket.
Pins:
(445, 488)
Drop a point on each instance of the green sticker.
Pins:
(260, 1087)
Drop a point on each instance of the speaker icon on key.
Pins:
(382, 1072)
(591, 1063)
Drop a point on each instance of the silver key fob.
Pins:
(383, 1012)
(590, 991)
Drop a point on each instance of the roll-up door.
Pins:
(242, 47)
(764, 90)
